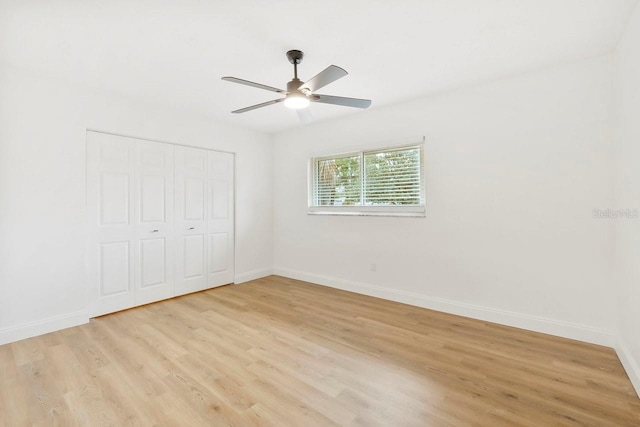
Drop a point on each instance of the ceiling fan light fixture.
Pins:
(296, 101)
(299, 94)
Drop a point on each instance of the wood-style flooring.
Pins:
(282, 352)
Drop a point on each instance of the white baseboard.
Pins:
(44, 326)
(252, 275)
(523, 321)
(629, 363)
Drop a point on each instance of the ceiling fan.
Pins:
(298, 94)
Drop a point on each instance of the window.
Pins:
(380, 182)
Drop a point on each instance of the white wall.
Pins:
(42, 192)
(514, 169)
(627, 196)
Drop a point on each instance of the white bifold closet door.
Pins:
(204, 219)
(147, 240)
(153, 242)
(110, 209)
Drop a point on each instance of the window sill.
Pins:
(400, 211)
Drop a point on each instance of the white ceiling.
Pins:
(174, 52)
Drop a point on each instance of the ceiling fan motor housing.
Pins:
(293, 85)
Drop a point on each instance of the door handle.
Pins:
(192, 228)
(154, 231)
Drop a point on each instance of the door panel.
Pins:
(153, 192)
(114, 151)
(194, 253)
(218, 256)
(154, 228)
(115, 267)
(220, 199)
(153, 262)
(110, 212)
(153, 155)
(220, 224)
(194, 198)
(191, 227)
(114, 198)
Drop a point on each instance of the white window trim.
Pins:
(393, 211)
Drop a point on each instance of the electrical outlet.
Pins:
(374, 267)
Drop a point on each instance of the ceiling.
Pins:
(173, 52)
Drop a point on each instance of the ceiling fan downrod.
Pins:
(295, 57)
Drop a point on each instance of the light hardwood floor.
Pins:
(281, 352)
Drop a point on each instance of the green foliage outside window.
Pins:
(392, 177)
(338, 181)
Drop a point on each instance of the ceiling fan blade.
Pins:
(253, 107)
(305, 116)
(339, 100)
(254, 84)
(326, 76)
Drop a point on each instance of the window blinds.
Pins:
(390, 177)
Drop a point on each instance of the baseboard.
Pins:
(44, 326)
(629, 363)
(503, 317)
(252, 275)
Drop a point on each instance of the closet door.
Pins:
(154, 222)
(191, 224)
(160, 221)
(110, 209)
(220, 218)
